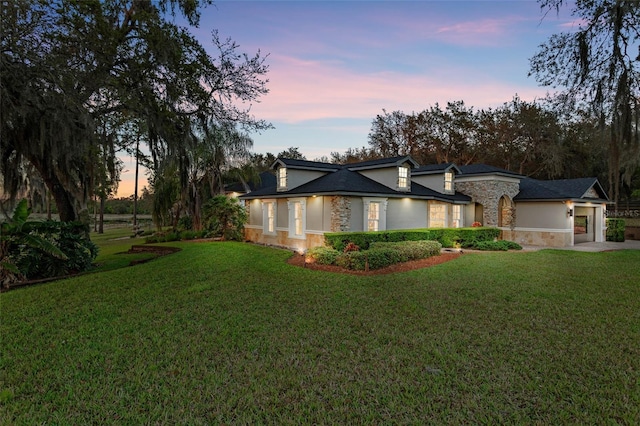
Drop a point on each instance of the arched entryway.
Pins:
(479, 214)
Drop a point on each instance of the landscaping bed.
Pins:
(299, 260)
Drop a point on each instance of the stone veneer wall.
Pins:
(340, 214)
(488, 193)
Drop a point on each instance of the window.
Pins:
(297, 217)
(437, 217)
(269, 217)
(375, 214)
(282, 178)
(457, 216)
(373, 222)
(448, 182)
(403, 178)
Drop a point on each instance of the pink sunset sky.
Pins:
(335, 65)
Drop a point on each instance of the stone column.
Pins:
(340, 213)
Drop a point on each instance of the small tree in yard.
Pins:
(225, 217)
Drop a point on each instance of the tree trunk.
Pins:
(63, 199)
(101, 226)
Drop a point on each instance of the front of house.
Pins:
(311, 198)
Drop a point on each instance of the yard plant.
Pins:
(229, 333)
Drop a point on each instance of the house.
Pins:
(265, 179)
(311, 198)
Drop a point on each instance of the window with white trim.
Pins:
(269, 217)
(375, 214)
(437, 215)
(297, 217)
(373, 222)
(403, 178)
(448, 182)
(456, 216)
(282, 178)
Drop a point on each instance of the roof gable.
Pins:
(305, 165)
(561, 189)
(382, 163)
(436, 168)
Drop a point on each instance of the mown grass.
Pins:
(228, 333)
(114, 244)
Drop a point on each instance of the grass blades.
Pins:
(230, 333)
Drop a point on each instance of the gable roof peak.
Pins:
(383, 162)
(292, 163)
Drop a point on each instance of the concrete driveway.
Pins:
(596, 247)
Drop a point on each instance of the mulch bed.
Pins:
(156, 250)
(299, 260)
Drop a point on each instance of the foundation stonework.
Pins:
(488, 193)
(281, 239)
(539, 238)
(340, 214)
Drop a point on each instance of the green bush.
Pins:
(615, 230)
(68, 237)
(188, 235)
(411, 250)
(383, 254)
(322, 255)
(225, 217)
(448, 237)
(501, 245)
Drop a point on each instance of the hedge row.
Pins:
(615, 230)
(448, 237)
(162, 237)
(379, 255)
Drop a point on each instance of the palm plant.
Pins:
(17, 232)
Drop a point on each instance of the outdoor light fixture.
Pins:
(570, 212)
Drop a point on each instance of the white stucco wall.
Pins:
(297, 178)
(435, 182)
(387, 177)
(255, 212)
(544, 215)
(404, 213)
(282, 214)
(315, 213)
(357, 212)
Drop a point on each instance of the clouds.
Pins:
(333, 66)
(302, 90)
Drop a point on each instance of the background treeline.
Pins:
(530, 138)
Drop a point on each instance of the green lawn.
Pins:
(228, 333)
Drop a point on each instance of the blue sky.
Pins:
(335, 65)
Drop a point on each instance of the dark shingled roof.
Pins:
(381, 162)
(482, 169)
(561, 189)
(307, 165)
(434, 168)
(267, 179)
(347, 182)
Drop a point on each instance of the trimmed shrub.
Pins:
(322, 255)
(383, 254)
(501, 245)
(615, 230)
(411, 250)
(448, 237)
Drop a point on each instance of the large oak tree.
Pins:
(596, 67)
(69, 66)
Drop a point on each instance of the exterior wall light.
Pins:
(570, 212)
